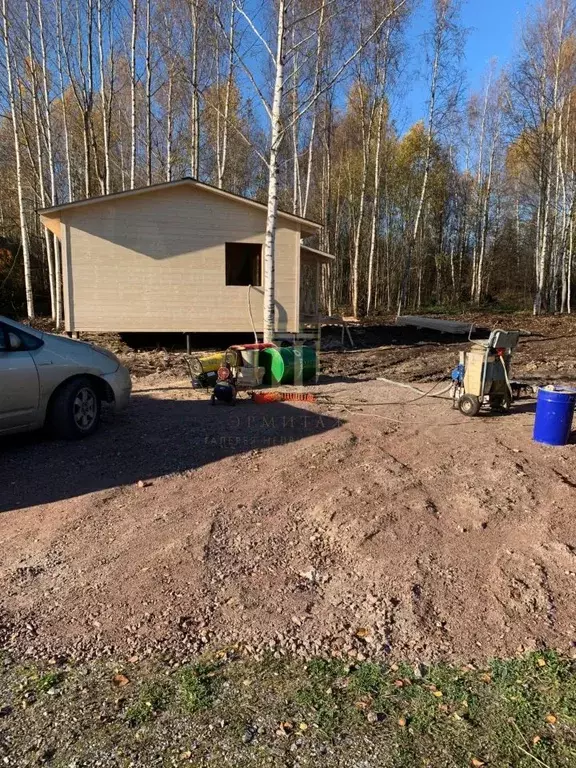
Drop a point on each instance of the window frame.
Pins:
(257, 258)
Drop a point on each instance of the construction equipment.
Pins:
(225, 390)
(204, 370)
(483, 374)
(239, 370)
(249, 366)
(244, 360)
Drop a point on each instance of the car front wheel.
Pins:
(75, 410)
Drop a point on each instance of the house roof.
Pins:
(327, 258)
(307, 227)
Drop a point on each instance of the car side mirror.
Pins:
(14, 342)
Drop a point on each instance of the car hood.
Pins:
(81, 352)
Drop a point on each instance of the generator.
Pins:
(225, 390)
(239, 370)
(482, 376)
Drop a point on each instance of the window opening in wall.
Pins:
(243, 264)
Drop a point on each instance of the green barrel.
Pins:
(288, 365)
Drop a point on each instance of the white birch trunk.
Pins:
(570, 262)
(40, 156)
(195, 116)
(296, 191)
(428, 155)
(124, 167)
(19, 185)
(376, 205)
(542, 272)
(276, 139)
(103, 101)
(51, 169)
(223, 153)
(47, 110)
(315, 113)
(133, 94)
(63, 99)
(83, 97)
(484, 231)
(479, 194)
(148, 98)
(366, 141)
(169, 128)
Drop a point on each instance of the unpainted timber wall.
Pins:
(156, 263)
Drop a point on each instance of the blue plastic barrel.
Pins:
(554, 414)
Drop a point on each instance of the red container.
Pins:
(261, 345)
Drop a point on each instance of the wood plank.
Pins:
(434, 324)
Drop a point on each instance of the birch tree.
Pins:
(541, 82)
(133, 87)
(39, 160)
(278, 58)
(223, 135)
(445, 49)
(489, 155)
(195, 96)
(106, 91)
(148, 97)
(9, 60)
(53, 199)
(295, 102)
(60, 66)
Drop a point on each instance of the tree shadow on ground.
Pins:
(154, 438)
(523, 406)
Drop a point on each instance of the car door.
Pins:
(19, 387)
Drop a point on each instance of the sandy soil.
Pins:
(546, 353)
(385, 525)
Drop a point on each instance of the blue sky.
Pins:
(493, 27)
(493, 30)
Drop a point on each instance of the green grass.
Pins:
(197, 686)
(49, 681)
(153, 699)
(517, 713)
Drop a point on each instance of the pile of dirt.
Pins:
(399, 529)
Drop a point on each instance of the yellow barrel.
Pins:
(207, 363)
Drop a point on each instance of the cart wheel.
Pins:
(469, 405)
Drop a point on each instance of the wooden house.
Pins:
(180, 256)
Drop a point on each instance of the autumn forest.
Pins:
(302, 101)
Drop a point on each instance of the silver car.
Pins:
(53, 381)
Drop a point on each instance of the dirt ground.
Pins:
(547, 351)
(371, 523)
